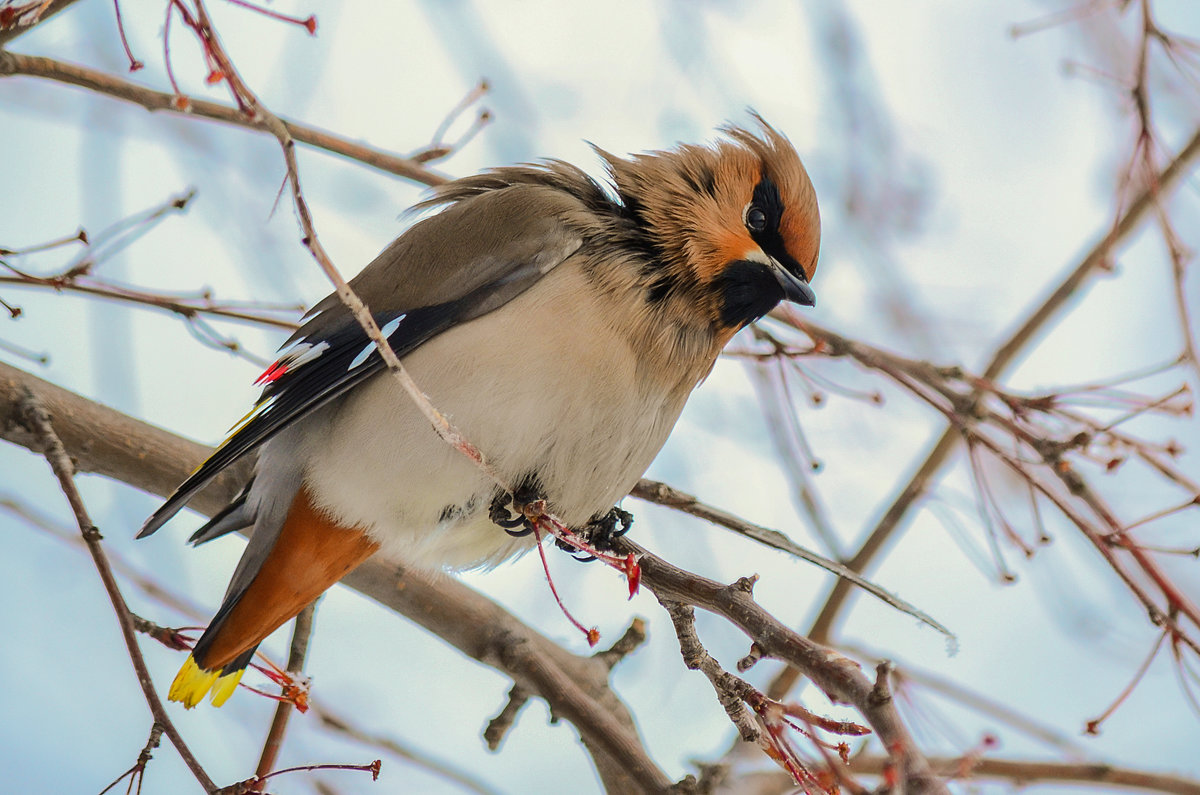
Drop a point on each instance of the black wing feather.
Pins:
(470, 259)
(306, 388)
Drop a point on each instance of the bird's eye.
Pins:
(756, 219)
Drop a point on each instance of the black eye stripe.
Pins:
(766, 198)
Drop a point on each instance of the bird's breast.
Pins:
(549, 387)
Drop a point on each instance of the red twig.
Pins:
(134, 63)
(593, 634)
(309, 23)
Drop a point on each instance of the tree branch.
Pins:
(37, 421)
(301, 632)
(14, 64)
(37, 16)
(1002, 359)
(839, 677)
(106, 442)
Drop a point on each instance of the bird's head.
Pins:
(733, 227)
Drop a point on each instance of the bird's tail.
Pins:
(283, 569)
(193, 683)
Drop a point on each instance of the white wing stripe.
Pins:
(388, 330)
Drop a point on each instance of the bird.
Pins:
(558, 320)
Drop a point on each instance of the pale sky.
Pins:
(986, 168)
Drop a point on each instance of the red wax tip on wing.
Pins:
(272, 373)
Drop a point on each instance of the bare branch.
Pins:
(37, 420)
(839, 677)
(299, 649)
(13, 64)
(23, 17)
(1005, 355)
(662, 494)
(109, 443)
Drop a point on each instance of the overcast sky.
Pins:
(961, 172)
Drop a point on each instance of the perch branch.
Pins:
(106, 442)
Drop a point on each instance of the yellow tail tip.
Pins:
(193, 683)
(223, 688)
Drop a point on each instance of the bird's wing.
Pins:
(472, 258)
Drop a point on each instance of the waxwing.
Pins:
(560, 324)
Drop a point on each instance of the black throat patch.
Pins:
(748, 291)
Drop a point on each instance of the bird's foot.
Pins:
(527, 502)
(601, 532)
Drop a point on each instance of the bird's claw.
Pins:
(527, 504)
(601, 532)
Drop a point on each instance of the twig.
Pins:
(28, 22)
(173, 304)
(37, 420)
(837, 676)
(697, 658)
(518, 696)
(256, 783)
(1004, 356)
(12, 63)
(137, 773)
(759, 719)
(634, 636)
(283, 710)
(662, 494)
(499, 726)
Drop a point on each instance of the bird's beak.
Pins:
(795, 289)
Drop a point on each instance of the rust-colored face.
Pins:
(760, 235)
(800, 228)
(735, 224)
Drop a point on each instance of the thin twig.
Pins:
(1046, 311)
(836, 675)
(173, 304)
(662, 494)
(498, 727)
(283, 710)
(37, 420)
(12, 63)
